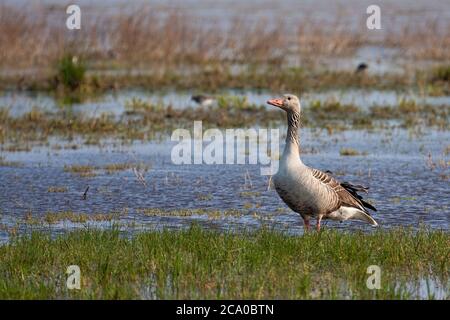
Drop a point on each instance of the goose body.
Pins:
(204, 101)
(311, 192)
(362, 67)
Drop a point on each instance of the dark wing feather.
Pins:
(353, 189)
(347, 193)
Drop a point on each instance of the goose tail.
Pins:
(356, 214)
(361, 215)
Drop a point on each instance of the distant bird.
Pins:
(204, 101)
(311, 192)
(362, 67)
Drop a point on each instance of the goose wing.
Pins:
(346, 193)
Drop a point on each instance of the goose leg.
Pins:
(306, 223)
(319, 218)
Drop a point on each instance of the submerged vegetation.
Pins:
(201, 264)
(111, 168)
(350, 152)
(74, 217)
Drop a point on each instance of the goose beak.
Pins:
(276, 102)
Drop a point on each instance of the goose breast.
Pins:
(303, 194)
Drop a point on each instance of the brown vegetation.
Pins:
(168, 38)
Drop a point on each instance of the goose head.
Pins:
(289, 103)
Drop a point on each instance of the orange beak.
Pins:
(276, 102)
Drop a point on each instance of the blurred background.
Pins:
(184, 36)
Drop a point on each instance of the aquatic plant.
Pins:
(71, 71)
(81, 170)
(230, 101)
(57, 189)
(350, 152)
(442, 73)
(76, 217)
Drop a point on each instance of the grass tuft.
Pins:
(442, 73)
(350, 152)
(71, 72)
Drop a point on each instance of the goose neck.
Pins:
(292, 140)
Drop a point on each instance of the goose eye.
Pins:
(289, 98)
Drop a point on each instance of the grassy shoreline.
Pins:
(203, 264)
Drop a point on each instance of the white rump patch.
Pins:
(349, 213)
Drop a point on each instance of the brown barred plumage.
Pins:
(311, 192)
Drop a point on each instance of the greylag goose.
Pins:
(311, 192)
(204, 101)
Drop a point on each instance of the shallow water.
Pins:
(114, 103)
(425, 288)
(402, 184)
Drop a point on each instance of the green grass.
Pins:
(198, 263)
(70, 72)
